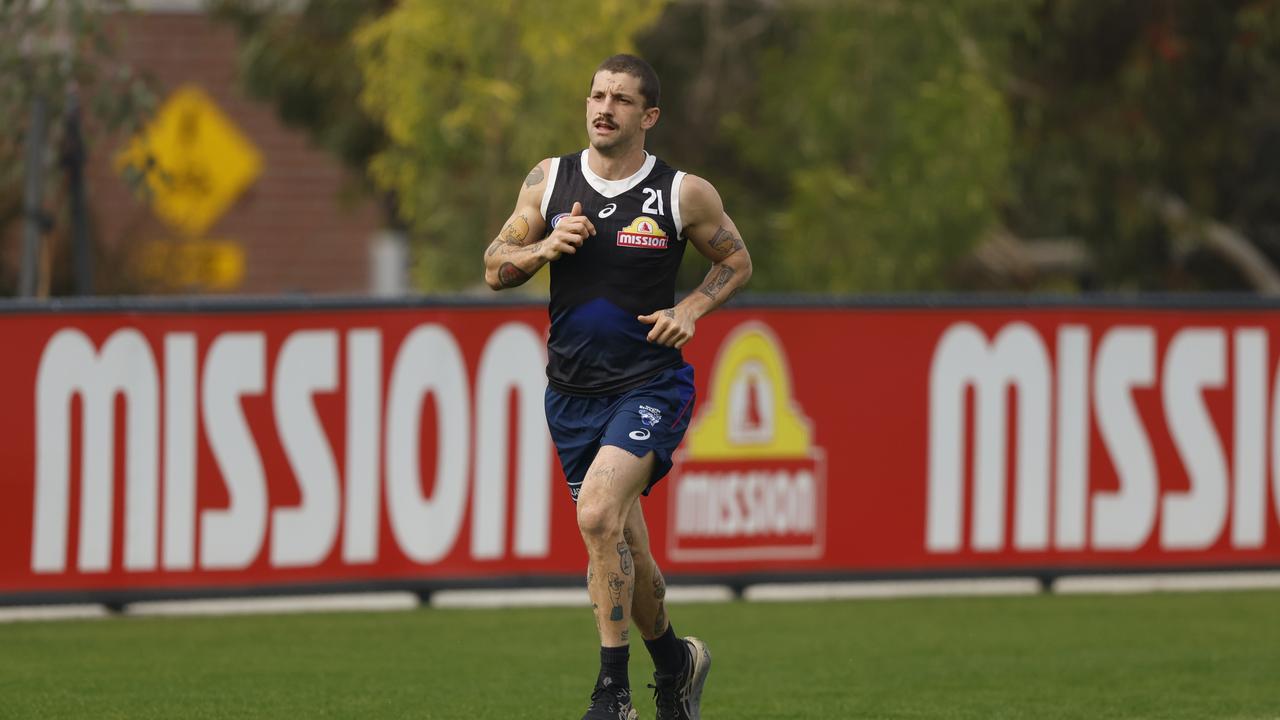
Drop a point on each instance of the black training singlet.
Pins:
(628, 268)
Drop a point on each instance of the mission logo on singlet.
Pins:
(643, 232)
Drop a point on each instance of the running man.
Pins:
(613, 222)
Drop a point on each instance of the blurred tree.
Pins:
(863, 145)
(886, 129)
(1152, 130)
(300, 57)
(61, 55)
(472, 95)
(708, 55)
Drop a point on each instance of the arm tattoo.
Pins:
(501, 248)
(535, 176)
(725, 243)
(509, 275)
(716, 280)
(516, 231)
(626, 535)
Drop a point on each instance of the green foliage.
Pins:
(1117, 101)
(887, 123)
(862, 145)
(304, 64)
(54, 50)
(471, 96)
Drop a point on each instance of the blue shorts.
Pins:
(649, 418)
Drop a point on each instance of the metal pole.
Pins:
(73, 159)
(32, 203)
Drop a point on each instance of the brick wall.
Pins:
(297, 232)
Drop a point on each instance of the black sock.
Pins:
(668, 651)
(613, 667)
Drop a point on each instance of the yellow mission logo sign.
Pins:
(749, 483)
(643, 232)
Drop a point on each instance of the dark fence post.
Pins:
(32, 202)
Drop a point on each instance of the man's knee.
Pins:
(599, 521)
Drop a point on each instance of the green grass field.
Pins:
(1203, 655)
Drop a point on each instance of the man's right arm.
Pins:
(514, 256)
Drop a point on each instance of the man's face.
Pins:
(615, 111)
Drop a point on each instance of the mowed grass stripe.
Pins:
(1200, 655)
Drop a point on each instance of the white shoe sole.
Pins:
(701, 666)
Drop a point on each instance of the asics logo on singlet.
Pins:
(639, 434)
(607, 210)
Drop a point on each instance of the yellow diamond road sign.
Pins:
(195, 159)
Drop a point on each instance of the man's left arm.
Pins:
(713, 233)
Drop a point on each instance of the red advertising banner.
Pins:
(148, 451)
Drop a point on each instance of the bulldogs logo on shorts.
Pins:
(650, 416)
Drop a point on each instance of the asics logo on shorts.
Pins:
(639, 434)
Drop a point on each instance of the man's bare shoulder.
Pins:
(699, 201)
(535, 184)
(538, 175)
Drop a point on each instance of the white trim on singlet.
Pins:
(675, 203)
(614, 188)
(551, 185)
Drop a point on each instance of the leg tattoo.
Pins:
(659, 593)
(624, 558)
(615, 592)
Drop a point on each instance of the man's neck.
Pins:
(616, 167)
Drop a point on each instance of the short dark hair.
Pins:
(650, 88)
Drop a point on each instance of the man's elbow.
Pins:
(744, 269)
(491, 279)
